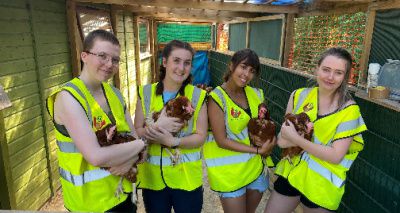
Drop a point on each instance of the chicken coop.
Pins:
(41, 42)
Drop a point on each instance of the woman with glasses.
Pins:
(80, 108)
(168, 183)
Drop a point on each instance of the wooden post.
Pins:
(116, 79)
(247, 34)
(369, 29)
(137, 49)
(73, 38)
(289, 36)
(7, 200)
(155, 53)
(151, 40)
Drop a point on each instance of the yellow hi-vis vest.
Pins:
(86, 187)
(158, 172)
(228, 170)
(320, 181)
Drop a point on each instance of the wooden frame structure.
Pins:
(42, 42)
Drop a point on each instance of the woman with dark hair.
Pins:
(316, 178)
(235, 168)
(167, 183)
(80, 108)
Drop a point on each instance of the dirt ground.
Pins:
(211, 203)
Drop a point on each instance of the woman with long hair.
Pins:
(316, 177)
(171, 177)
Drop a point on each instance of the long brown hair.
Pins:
(341, 53)
(172, 45)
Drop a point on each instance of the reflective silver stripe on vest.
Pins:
(303, 95)
(235, 159)
(317, 141)
(119, 95)
(350, 125)
(195, 101)
(147, 98)
(89, 111)
(346, 163)
(67, 147)
(86, 177)
(324, 172)
(243, 134)
(166, 161)
(210, 137)
(258, 92)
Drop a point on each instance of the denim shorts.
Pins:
(260, 184)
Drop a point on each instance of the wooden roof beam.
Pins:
(141, 9)
(208, 5)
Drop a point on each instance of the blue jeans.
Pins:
(260, 184)
(182, 201)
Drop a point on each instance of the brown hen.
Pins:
(262, 128)
(109, 136)
(303, 126)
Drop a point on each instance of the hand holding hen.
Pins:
(262, 128)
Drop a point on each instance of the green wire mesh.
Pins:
(184, 32)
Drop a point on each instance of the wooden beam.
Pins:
(113, 16)
(248, 34)
(352, 1)
(74, 38)
(155, 52)
(369, 29)
(137, 49)
(385, 5)
(152, 34)
(335, 10)
(184, 12)
(289, 36)
(208, 5)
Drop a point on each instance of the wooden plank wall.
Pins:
(34, 60)
(127, 70)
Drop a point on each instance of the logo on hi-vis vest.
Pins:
(235, 113)
(308, 107)
(98, 122)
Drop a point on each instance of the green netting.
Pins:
(237, 36)
(373, 183)
(314, 34)
(386, 36)
(184, 32)
(266, 38)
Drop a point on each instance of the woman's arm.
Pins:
(195, 140)
(282, 143)
(217, 122)
(333, 154)
(169, 123)
(68, 112)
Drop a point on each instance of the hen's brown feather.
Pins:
(300, 122)
(117, 138)
(262, 128)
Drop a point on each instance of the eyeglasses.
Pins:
(104, 58)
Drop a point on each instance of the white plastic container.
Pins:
(373, 74)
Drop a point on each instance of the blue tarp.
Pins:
(200, 71)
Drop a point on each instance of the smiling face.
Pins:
(98, 61)
(331, 73)
(178, 65)
(242, 74)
